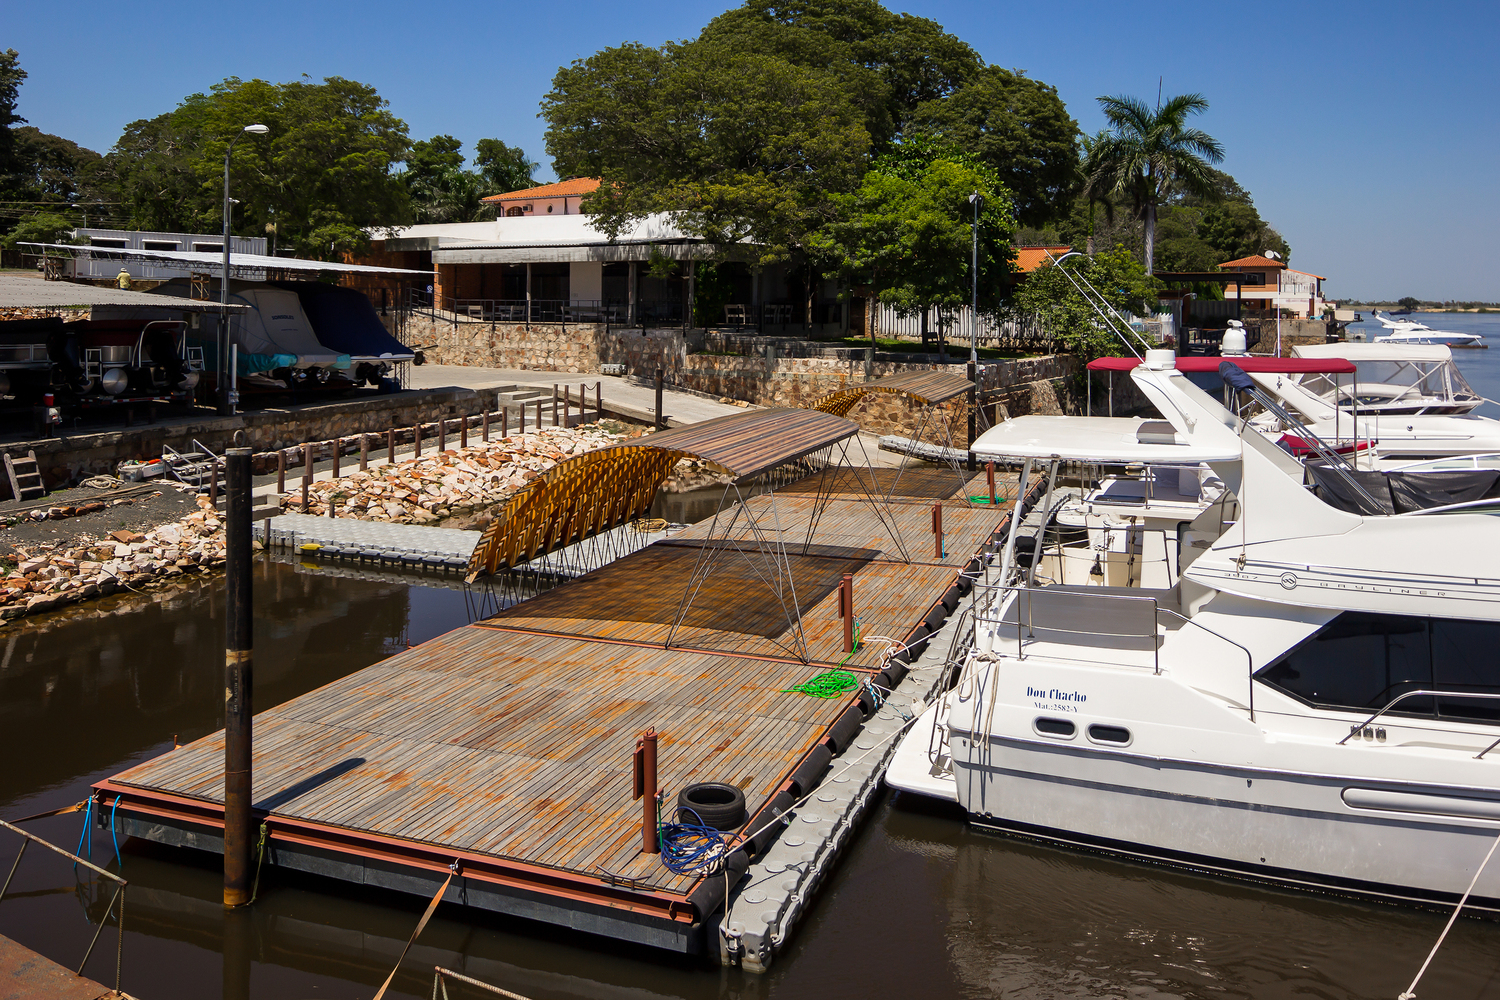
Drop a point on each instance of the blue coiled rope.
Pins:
(690, 848)
(88, 812)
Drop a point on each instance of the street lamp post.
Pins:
(226, 397)
(975, 199)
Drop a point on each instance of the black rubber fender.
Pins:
(709, 896)
(936, 617)
(715, 804)
(842, 732)
(805, 778)
(767, 825)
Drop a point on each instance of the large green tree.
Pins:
(504, 168)
(1022, 129)
(324, 174)
(742, 146)
(441, 190)
(11, 78)
(908, 230)
(1146, 152)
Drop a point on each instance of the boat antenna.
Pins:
(1099, 303)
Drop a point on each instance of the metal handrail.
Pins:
(27, 839)
(1485, 695)
(1030, 625)
(1249, 660)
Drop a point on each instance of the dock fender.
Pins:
(842, 732)
(951, 597)
(805, 778)
(935, 618)
(892, 675)
(709, 896)
(766, 826)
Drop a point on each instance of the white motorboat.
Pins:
(1312, 700)
(1407, 331)
(1392, 378)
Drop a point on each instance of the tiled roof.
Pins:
(562, 189)
(1254, 260)
(1028, 259)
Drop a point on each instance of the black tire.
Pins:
(717, 805)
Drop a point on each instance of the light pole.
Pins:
(226, 399)
(976, 200)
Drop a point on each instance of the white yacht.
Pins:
(1311, 700)
(1408, 331)
(1392, 378)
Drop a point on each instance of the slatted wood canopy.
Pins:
(586, 494)
(927, 388)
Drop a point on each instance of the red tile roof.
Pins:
(569, 188)
(1028, 259)
(1254, 260)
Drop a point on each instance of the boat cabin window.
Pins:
(1100, 733)
(1362, 661)
(1061, 728)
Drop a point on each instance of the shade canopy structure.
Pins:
(590, 493)
(1322, 365)
(213, 263)
(927, 388)
(27, 291)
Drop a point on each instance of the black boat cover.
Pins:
(344, 321)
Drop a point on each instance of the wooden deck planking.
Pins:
(512, 737)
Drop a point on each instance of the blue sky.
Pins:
(1367, 132)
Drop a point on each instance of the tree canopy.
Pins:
(441, 190)
(907, 232)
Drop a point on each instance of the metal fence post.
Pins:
(238, 681)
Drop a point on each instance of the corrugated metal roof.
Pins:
(27, 291)
(213, 263)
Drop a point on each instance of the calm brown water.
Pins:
(920, 907)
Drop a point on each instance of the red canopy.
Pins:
(1250, 363)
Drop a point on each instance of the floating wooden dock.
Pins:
(502, 751)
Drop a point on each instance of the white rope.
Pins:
(1411, 991)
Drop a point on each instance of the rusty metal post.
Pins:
(337, 446)
(238, 681)
(645, 789)
(307, 473)
(416, 440)
(364, 452)
(989, 471)
(599, 398)
(504, 422)
(937, 530)
(554, 405)
(213, 482)
(390, 445)
(484, 426)
(521, 409)
(463, 431)
(846, 610)
(442, 434)
(281, 470)
(661, 423)
(539, 415)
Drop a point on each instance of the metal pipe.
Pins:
(238, 680)
(1036, 549)
(442, 434)
(364, 452)
(989, 472)
(484, 426)
(213, 482)
(937, 530)
(337, 444)
(416, 440)
(1007, 555)
(463, 431)
(661, 422)
(307, 472)
(645, 789)
(554, 405)
(281, 470)
(390, 445)
(599, 398)
(539, 416)
(973, 400)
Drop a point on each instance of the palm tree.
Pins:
(1145, 151)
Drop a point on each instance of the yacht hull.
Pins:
(1294, 829)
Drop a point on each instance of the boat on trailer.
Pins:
(1309, 695)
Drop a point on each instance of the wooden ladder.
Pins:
(25, 477)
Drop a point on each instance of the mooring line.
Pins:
(421, 925)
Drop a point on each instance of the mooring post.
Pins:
(238, 680)
(661, 422)
(281, 470)
(989, 471)
(645, 789)
(213, 482)
(463, 431)
(937, 529)
(442, 434)
(484, 426)
(846, 610)
(554, 405)
(521, 409)
(416, 440)
(307, 473)
(599, 398)
(337, 447)
(504, 422)
(390, 445)
(364, 452)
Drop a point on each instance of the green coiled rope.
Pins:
(829, 684)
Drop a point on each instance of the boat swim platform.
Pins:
(503, 750)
